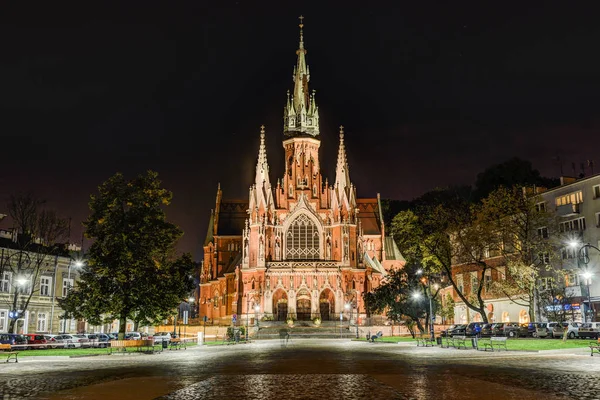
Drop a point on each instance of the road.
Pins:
(306, 369)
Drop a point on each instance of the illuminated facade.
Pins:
(299, 248)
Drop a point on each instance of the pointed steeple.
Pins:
(301, 115)
(342, 175)
(262, 166)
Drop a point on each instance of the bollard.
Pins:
(200, 338)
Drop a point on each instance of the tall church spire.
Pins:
(342, 175)
(301, 116)
(262, 166)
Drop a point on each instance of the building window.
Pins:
(596, 190)
(3, 320)
(488, 280)
(544, 258)
(302, 239)
(571, 198)
(543, 232)
(41, 322)
(459, 283)
(502, 273)
(67, 285)
(571, 279)
(598, 220)
(567, 253)
(540, 207)
(545, 283)
(45, 284)
(505, 317)
(572, 225)
(5, 283)
(474, 282)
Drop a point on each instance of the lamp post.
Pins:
(348, 306)
(77, 264)
(430, 295)
(583, 257)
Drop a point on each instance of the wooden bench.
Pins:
(595, 347)
(7, 351)
(458, 341)
(375, 336)
(425, 341)
(496, 342)
(176, 344)
(146, 345)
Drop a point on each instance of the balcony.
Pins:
(568, 210)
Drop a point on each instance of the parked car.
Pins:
(486, 330)
(572, 329)
(98, 339)
(473, 329)
(133, 336)
(13, 339)
(160, 337)
(444, 332)
(113, 336)
(533, 329)
(458, 330)
(36, 341)
(589, 330)
(510, 329)
(74, 341)
(55, 341)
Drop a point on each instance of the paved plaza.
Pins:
(307, 369)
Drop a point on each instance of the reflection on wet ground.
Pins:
(307, 369)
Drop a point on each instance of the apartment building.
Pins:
(576, 204)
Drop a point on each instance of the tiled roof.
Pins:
(232, 216)
(391, 250)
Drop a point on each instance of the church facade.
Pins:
(301, 247)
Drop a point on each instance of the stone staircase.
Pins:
(306, 330)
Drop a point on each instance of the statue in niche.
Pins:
(328, 250)
(315, 282)
(268, 283)
(261, 249)
(303, 280)
(339, 282)
(291, 283)
(246, 251)
(277, 250)
(279, 281)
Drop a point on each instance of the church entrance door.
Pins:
(281, 311)
(326, 304)
(303, 309)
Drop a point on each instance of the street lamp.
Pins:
(76, 264)
(582, 256)
(430, 295)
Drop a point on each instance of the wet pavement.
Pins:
(307, 369)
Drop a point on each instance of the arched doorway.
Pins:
(303, 311)
(280, 305)
(326, 304)
(523, 316)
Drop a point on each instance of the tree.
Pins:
(400, 296)
(132, 270)
(38, 235)
(513, 172)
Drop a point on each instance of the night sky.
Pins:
(429, 94)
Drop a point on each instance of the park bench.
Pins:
(372, 338)
(425, 341)
(176, 344)
(458, 341)
(146, 345)
(7, 351)
(495, 342)
(595, 347)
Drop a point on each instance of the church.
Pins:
(299, 248)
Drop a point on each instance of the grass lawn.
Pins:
(545, 344)
(77, 352)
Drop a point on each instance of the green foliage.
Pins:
(132, 271)
(446, 311)
(396, 298)
(511, 173)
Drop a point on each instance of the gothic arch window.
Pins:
(302, 239)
